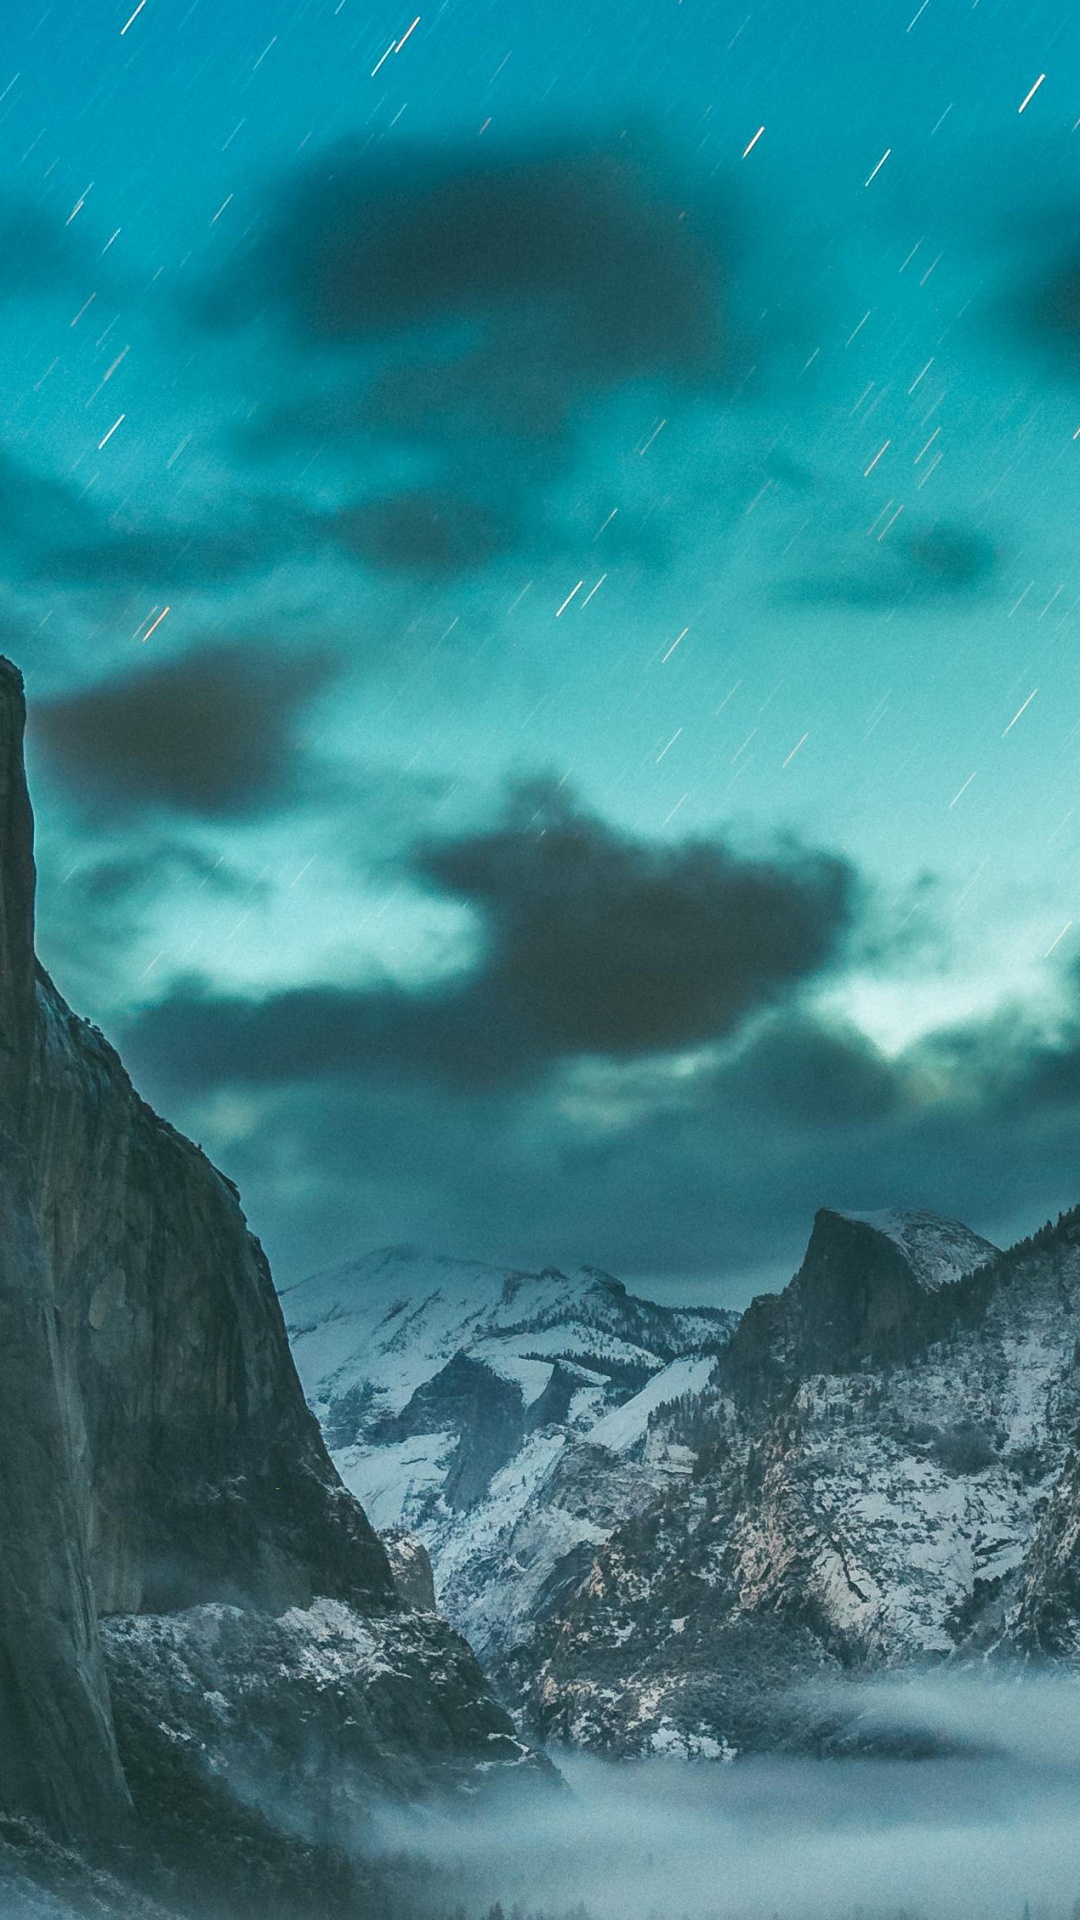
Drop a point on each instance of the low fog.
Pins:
(989, 1828)
(982, 1818)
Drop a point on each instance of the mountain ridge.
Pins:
(873, 1467)
(450, 1390)
(884, 1512)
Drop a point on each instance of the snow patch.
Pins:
(621, 1429)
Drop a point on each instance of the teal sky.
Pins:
(677, 410)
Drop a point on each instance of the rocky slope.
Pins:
(852, 1507)
(159, 1468)
(41, 1879)
(502, 1416)
(877, 1468)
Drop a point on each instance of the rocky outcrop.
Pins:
(160, 1470)
(485, 1411)
(41, 1879)
(312, 1715)
(410, 1564)
(864, 1296)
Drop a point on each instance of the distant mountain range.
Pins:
(464, 1401)
(657, 1524)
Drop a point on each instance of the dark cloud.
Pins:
(475, 307)
(937, 562)
(591, 250)
(552, 1102)
(146, 871)
(51, 533)
(603, 944)
(637, 1169)
(201, 555)
(211, 731)
(1048, 311)
(1037, 301)
(90, 916)
(949, 559)
(1009, 1065)
(423, 533)
(92, 912)
(197, 1039)
(592, 943)
(807, 1072)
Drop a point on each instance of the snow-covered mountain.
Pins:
(869, 1291)
(504, 1416)
(915, 1499)
(655, 1528)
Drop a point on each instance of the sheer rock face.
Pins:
(410, 1564)
(1047, 1619)
(865, 1295)
(157, 1457)
(208, 1478)
(16, 895)
(58, 1754)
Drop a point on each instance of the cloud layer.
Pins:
(630, 1064)
(467, 313)
(211, 731)
(590, 944)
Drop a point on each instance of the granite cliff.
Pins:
(167, 1504)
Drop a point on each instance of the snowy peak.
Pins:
(938, 1251)
(369, 1335)
(506, 1417)
(864, 1295)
